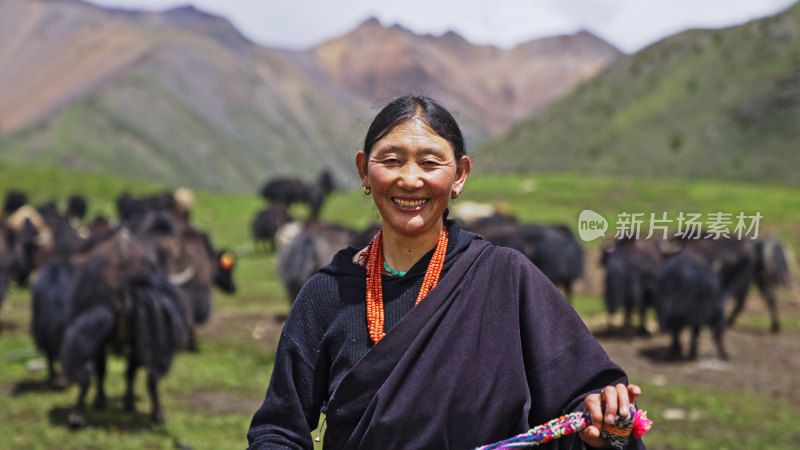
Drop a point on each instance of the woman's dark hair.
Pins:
(408, 107)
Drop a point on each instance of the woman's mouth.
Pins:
(405, 203)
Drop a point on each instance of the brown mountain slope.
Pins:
(182, 97)
(490, 86)
(54, 52)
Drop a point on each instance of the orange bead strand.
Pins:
(375, 311)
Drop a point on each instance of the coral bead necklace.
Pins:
(375, 311)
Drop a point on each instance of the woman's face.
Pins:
(412, 172)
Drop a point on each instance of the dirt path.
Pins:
(760, 361)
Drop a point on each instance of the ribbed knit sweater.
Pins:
(325, 335)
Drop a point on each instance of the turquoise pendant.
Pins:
(390, 271)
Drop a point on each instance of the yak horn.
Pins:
(182, 277)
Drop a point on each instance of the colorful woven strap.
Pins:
(619, 434)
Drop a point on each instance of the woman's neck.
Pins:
(402, 252)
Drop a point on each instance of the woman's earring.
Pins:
(367, 190)
(454, 194)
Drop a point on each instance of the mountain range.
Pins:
(182, 97)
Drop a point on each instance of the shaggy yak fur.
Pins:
(188, 259)
(310, 250)
(690, 295)
(632, 267)
(119, 299)
(266, 225)
(552, 248)
(286, 190)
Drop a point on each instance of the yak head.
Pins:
(223, 271)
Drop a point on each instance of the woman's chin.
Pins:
(411, 228)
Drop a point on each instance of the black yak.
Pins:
(33, 240)
(556, 252)
(50, 297)
(632, 267)
(188, 259)
(7, 258)
(76, 208)
(740, 262)
(99, 229)
(195, 269)
(690, 295)
(283, 190)
(120, 299)
(50, 311)
(40, 233)
(552, 248)
(133, 210)
(311, 249)
(13, 201)
(287, 190)
(500, 229)
(770, 270)
(65, 238)
(52, 288)
(733, 260)
(267, 223)
(316, 193)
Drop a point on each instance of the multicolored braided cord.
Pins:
(619, 434)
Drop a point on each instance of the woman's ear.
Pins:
(463, 167)
(361, 165)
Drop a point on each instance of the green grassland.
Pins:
(209, 396)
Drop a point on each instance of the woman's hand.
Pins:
(612, 400)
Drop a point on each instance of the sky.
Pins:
(630, 25)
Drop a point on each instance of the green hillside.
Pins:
(705, 103)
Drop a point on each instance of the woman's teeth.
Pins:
(410, 203)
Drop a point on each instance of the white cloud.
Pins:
(633, 24)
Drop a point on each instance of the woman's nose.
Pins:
(411, 176)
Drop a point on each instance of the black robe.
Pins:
(493, 350)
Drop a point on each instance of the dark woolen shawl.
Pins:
(325, 336)
(493, 350)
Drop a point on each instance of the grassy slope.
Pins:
(209, 396)
(719, 104)
(92, 134)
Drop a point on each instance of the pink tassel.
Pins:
(641, 424)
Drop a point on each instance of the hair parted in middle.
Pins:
(409, 107)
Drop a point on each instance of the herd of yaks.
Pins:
(142, 285)
(138, 287)
(687, 282)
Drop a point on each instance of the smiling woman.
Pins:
(430, 337)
